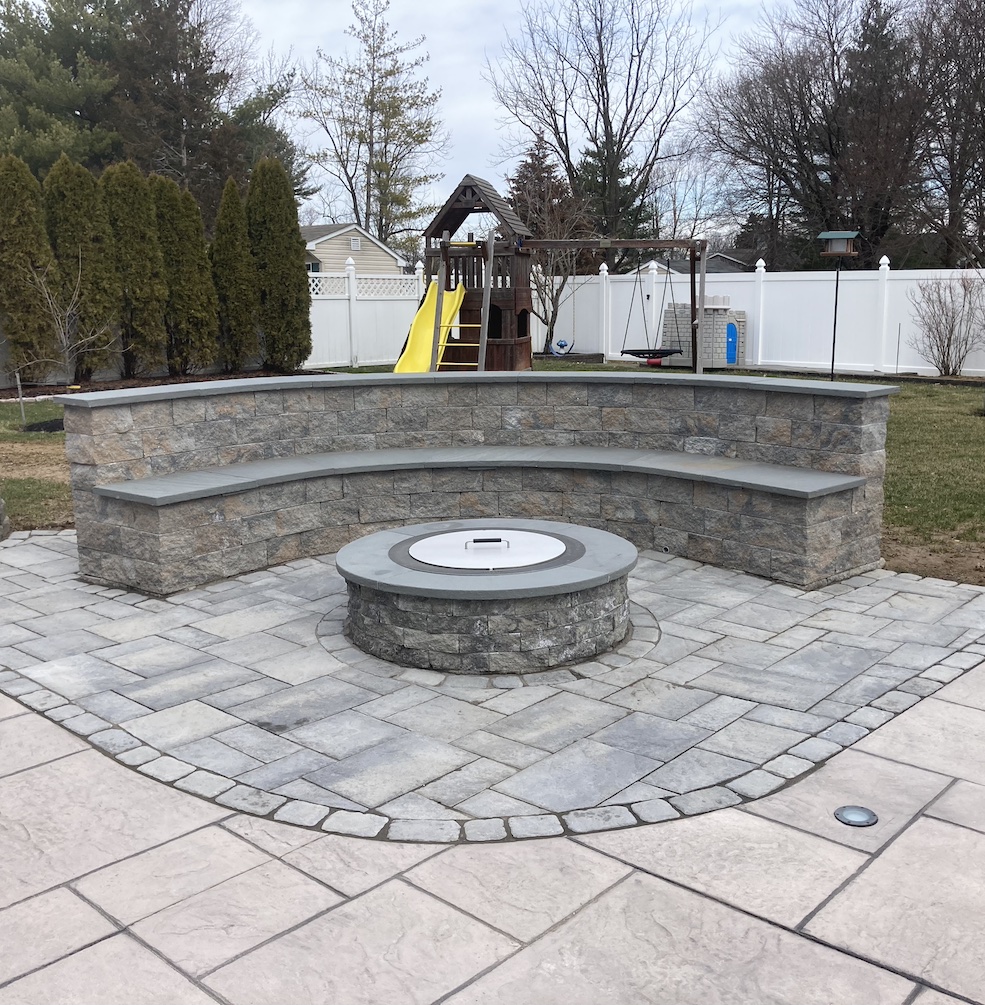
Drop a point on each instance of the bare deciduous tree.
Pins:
(75, 332)
(950, 318)
(830, 105)
(604, 82)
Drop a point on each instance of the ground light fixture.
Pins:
(855, 816)
(837, 244)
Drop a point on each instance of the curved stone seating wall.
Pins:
(124, 438)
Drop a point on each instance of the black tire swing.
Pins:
(649, 353)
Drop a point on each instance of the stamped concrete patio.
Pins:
(117, 887)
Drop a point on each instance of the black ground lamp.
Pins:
(837, 244)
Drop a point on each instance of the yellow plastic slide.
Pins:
(416, 357)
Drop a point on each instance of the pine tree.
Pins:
(191, 312)
(25, 264)
(235, 278)
(282, 280)
(139, 266)
(87, 295)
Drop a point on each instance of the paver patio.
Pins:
(117, 887)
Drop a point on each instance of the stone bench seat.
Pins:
(178, 486)
(165, 490)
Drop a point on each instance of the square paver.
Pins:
(198, 681)
(28, 740)
(153, 880)
(394, 944)
(917, 908)
(179, 724)
(391, 768)
(154, 656)
(698, 769)
(39, 931)
(49, 810)
(658, 697)
(100, 973)
(212, 755)
(445, 718)
(78, 675)
(752, 741)
(259, 743)
(797, 681)
(207, 929)
(555, 722)
(582, 775)
(896, 792)
(297, 706)
(964, 804)
(651, 736)
(677, 939)
(353, 866)
(760, 866)
(344, 733)
(936, 735)
(523, 888)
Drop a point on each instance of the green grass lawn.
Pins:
(33, 498)
(935, 479)
(935, 468)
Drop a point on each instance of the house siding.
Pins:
(333, 251)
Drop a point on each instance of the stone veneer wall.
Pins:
(118, 436)
(506, 636)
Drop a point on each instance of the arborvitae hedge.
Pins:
(282, 280)
(25, 260)
(88, 286)
(139, 265)
(235, 278)
(190, 313)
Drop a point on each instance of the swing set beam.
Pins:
(697, 249)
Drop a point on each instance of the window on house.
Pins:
(355, 244)
(314, 266)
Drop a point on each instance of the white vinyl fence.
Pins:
(789, 316)
(361, 320)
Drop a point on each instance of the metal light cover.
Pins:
(855, 816)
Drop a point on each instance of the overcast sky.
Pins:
(459, 37)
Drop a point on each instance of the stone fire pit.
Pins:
(487, 596)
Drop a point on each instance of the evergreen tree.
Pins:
(282, 279)
(87, 293)
(542, 198)
(235, 278)
(191, 312)
(139, 265)
(25, 263)
(54, 88)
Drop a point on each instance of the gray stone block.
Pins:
(704, 800)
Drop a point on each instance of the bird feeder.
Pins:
(838, 243)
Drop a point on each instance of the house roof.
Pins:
(475, 195)
(322, 231)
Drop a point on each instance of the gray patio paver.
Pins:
(920, 912)
(752, 741)
(391, 768)
(697, 769)
(440, 949)
(651, 736)
(582, 774)
(730, 957)
(556, 722)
